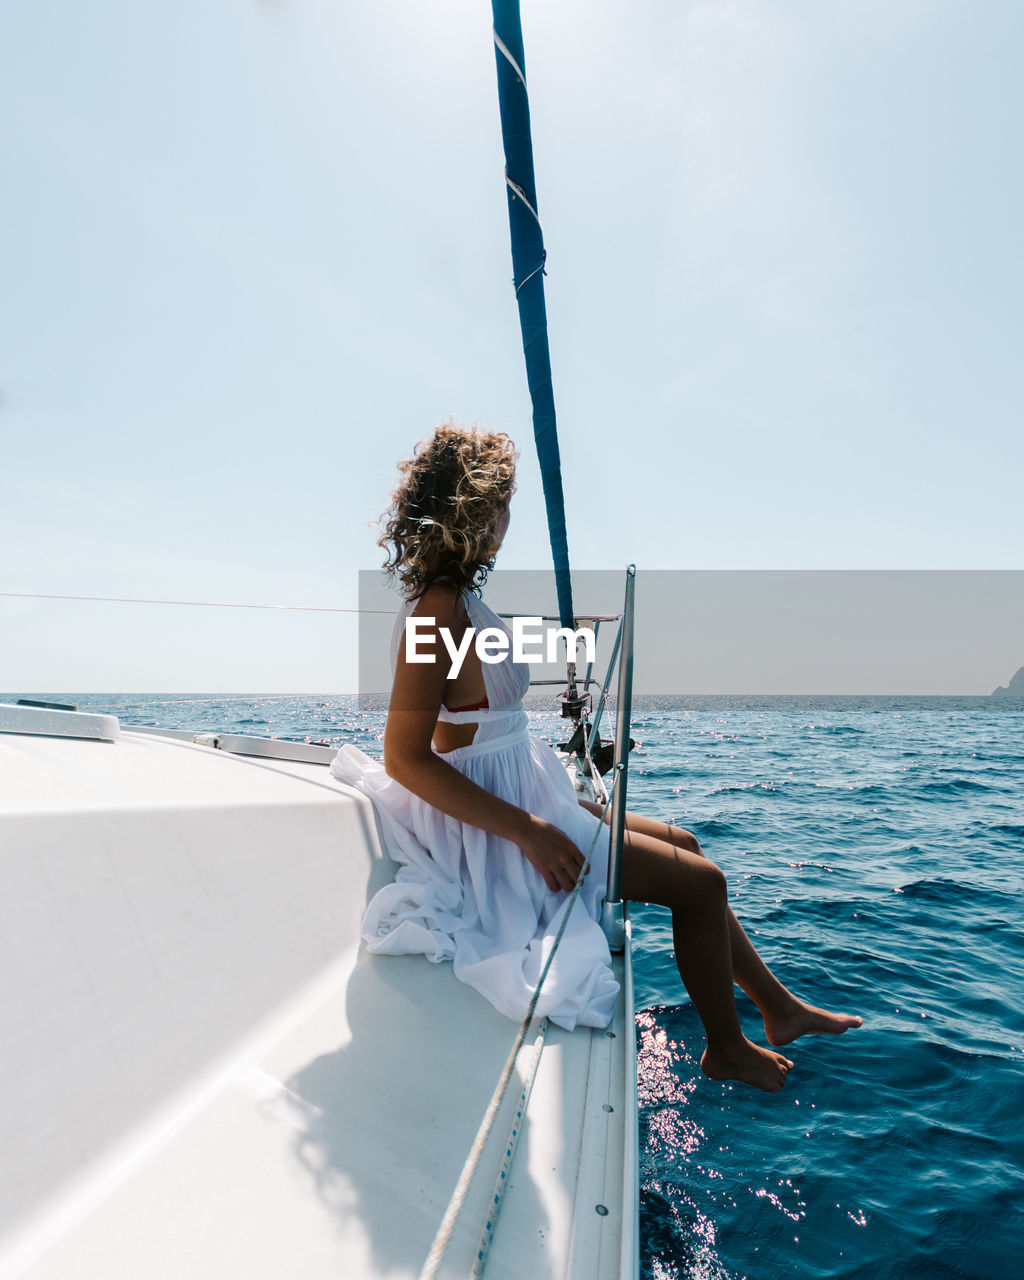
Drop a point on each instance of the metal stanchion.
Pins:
(613, 914)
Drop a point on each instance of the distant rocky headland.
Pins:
(1015, 689)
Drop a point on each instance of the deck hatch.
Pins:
(52, 723)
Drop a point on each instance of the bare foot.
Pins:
(749, 1063)
(805, 1020)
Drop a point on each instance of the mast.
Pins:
(528, 255)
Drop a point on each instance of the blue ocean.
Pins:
(873, 848)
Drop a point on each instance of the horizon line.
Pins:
(202, 694)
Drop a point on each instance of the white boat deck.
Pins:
(203, 1073)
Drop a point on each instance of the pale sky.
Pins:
(253, 250)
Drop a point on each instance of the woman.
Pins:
(485, 824)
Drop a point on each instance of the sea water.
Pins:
(873, 848)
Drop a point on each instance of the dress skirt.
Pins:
(464, 895)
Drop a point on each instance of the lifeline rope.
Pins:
(444, 1231)
(501, 1181)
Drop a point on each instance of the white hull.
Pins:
(203, 1073)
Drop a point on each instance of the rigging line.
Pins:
(529, 278)
(521, 194)
(596, 781)
(445, 1230)
(199, 604)
(512, 62)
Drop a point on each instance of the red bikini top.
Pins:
(476, 706)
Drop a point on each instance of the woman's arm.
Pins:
(416, 697)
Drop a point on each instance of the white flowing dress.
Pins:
(464, 895)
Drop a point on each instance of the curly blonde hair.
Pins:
(442, 516)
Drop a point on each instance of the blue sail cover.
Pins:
(528, 273)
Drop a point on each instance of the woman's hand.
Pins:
(552, 852)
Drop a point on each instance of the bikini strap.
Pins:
(484, 713)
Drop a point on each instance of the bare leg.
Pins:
(695, 892)
(786, 1017)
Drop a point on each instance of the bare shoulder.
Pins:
(443, 601)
